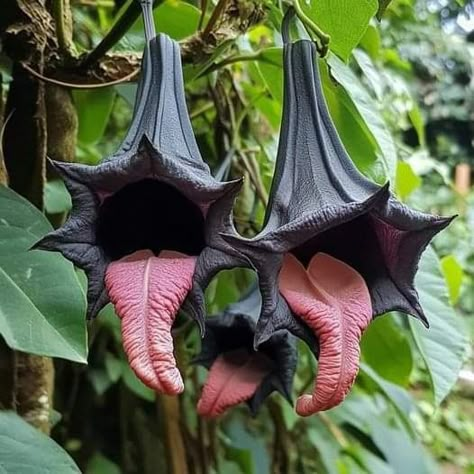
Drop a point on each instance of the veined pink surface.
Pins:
(334, 301)
(147, 292)
(233, 378)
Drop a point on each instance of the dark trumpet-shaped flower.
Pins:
(139, 223)
(237, 372)
(336, 249)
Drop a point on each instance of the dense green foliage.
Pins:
(400, 91)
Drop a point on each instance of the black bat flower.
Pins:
(336, 249)
(139, 226)
(237, 372)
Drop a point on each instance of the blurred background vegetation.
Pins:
(401, 92)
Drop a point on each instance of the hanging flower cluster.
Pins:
(151, 227)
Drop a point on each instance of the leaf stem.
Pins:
(257, 56)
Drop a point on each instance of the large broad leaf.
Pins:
(368, 110)
(444, 345)
(399, 398)
(328, 447)
(24, 450)
(401, 452)
(177, 19)
(56, 198)
(345, 21)
(42, 305)
(240, 437)
(407, 180)
(454, 276)
(93, 111)
(387, 350)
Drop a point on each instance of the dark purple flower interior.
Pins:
(356, 243)
(149, 214)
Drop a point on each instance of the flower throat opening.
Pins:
(149, 214)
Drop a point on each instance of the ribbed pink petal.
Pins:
(233, 378)
(147, 292)
(334, 301)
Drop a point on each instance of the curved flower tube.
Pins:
(336, 250)
(238, 373)
(139, 223)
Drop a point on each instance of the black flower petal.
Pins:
(233, 330)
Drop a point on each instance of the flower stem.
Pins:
(311, 27)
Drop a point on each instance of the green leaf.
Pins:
(135, 385)
(42, 305)
(223, 290)
(444, 345)
(387, 350)
(328, 447)
(371, 42)
(56, 197)
(454, 276)
(416, 118)
(127, 92)
(113, 366)
(367, 109)
(99, 379)
(290, 417)
(368, 460)
(371, 73)
(99, 464)
(175, 18)
(241, 438)
(192, 72)
(345, 21)
(25, 450)
(399, 398)
(401, 452)
(241, 457)
(93, 111)
(270, 65)
(407, 180)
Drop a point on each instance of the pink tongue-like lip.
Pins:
(147, 292)
(233, 378)
(334, 301)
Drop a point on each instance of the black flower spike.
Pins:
(237, 372)
(336, 249)
(139, 226)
